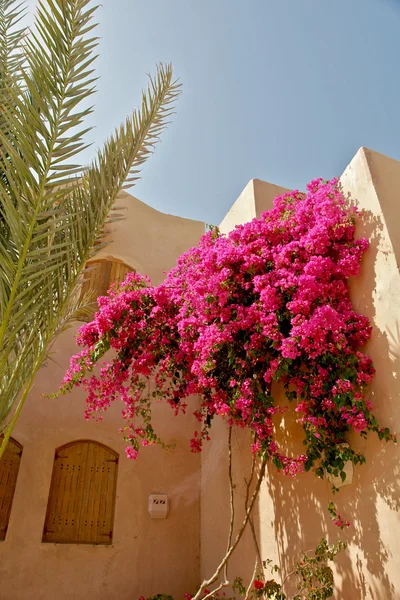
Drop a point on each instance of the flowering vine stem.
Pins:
(258, 561)
(251, 522)
(207, 582)
(250, 586)
(231, 498)
(211, 594)
(248, 483)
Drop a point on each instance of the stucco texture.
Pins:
(147, 555)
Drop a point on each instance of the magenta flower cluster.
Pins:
(267, 303)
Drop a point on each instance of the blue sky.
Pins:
(280, 90)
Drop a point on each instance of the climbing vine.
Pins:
(267, 303)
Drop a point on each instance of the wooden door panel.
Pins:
(82, 495)
(9, 467)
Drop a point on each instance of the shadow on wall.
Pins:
(301, 519)
(367, 569)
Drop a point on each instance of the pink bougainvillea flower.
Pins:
(269, 302)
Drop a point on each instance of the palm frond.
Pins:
(12, 37)
(54, 212)
(34, 141)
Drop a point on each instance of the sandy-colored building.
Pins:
(117, 550)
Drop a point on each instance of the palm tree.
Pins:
(52, 211)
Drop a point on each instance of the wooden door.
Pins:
(82, 494)
(9, 467)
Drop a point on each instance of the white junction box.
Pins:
(158, 506)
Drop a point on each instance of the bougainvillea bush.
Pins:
(267, 303)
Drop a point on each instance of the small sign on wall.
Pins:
(158, 506)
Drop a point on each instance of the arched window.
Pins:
(9, 467)
(102, 274)
(80, 508)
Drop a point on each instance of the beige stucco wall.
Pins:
(256, 198)
(169, 556)
(148, 240)
(147, 556)
(292, 513)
